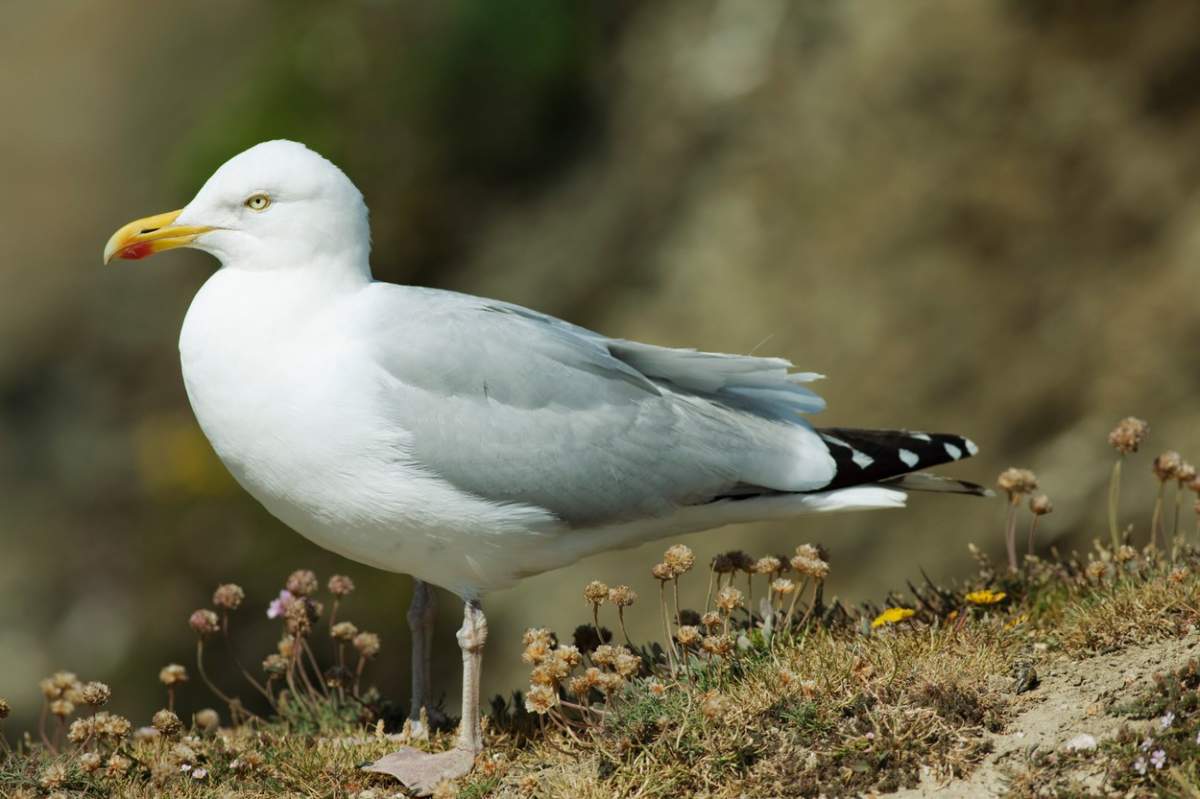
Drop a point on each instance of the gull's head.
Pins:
(276, 205)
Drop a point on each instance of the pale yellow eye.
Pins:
(258, 202)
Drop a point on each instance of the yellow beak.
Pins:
(143, 237)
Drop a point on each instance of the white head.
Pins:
(277, 205)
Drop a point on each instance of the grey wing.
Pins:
(514, 406)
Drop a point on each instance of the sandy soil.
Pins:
(1071, 698)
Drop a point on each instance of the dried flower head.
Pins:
(567, 657)
(741, 560)
(714, 706)
(627, 664)
(89, 762)
(622, 596)
(172, 674)
(579, 686)
(595, 593)
(62, 708)
(275, 665)
(813, 567)
(204, 622)
(610, 682)
(541, 699)
(96, 694)
(711, 620)
(367, 644)
(297, 619)
(808, 551)
(1040, 505)
(893, 616)
(116, 766)
(53, 776)
(343, 631)
(543, 674)
(340, 585)
(680, 559)
(1128, 435)
(110, 725)
(286, 647)
(81, 730)
(302, 582)
(5, 708)
(1166, 466)
(719, 645)
(229, 596)
(687, 636)
(606, 654)
(1185, 474)
(167, 723)
(1096, 570)
(57, 685)
(662, 572)
(729, 599)
(767, 565)
(208, 719)
(722, 564)
(1178, 574)
(1125, 553)
(536, 651)
(1016, 482)
(985, 597)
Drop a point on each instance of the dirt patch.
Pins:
(1072, 698)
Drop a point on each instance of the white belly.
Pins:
(294, 411)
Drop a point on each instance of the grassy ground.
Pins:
(829, 704)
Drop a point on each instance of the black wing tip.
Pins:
(873, 456)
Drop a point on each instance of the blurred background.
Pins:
(974, 217)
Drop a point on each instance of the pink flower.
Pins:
(278, 606)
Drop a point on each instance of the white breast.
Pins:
(278, 388)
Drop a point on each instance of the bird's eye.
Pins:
(258, 202)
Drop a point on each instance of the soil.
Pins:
(1071, 698)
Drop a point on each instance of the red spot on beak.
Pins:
(137, 251)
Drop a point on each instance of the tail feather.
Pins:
(935, 483)
(884, 456)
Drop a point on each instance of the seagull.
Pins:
(470, 442)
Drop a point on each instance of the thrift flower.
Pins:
(1139, 765)
(1167, 720)
(278, 606)
(1159, 758)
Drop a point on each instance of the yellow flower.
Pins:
(985, 597)
(892, 615)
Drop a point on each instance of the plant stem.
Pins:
(1010, 533)
(1114, 495)
(1156, 519)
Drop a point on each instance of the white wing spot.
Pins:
(861, 459)
(909, 457)
(920, 436)
(953, 451)
(971, 447)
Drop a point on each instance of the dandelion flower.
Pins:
(893, 616)
(985, 597)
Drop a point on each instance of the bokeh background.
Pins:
(975, 217)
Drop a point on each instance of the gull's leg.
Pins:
(421, 771)
(421, 613)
